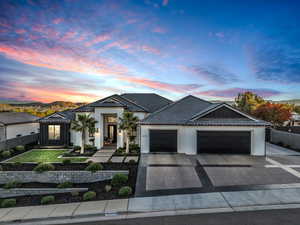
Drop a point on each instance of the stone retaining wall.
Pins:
(7, 193)
(287, 138)
(57, 176)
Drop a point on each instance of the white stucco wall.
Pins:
(141, 116)
(23, 129)
(187, 137)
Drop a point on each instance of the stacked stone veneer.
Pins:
(57, 176)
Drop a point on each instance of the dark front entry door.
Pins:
(112, 133)
(163, 140)
(232, 142)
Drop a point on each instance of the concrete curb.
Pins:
(133, 215)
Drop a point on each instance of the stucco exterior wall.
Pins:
(187, 137)
(23, 129)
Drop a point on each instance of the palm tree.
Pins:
(82, 124)
(128, 124)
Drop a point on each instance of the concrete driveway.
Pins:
(180, 174)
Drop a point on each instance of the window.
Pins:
(111, 119)
(54, 132)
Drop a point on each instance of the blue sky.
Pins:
(82, 50)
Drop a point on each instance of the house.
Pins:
(295, 120)
(17, 124)
(56, 128)
(190, 125)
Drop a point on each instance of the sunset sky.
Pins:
(83, 50)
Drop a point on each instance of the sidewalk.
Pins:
(162, 205)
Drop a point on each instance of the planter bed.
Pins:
(68, 167)
(73, 153)
(98, 187)
(15, 153)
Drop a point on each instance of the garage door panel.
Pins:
(163, 140)
(230, 142)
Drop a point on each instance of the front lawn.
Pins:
(44, 155)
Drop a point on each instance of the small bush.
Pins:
(88, 147)
(90, 195)
(75, 193)
(107, 188)
(6, 154)
(76, 148)
(43, 167)
(94, 167)
(90, 162)
(125, 191)
(17, 163)
(20, 148)
(12, 151)
(10, 202)
(65, 185)
(132, 161)
(121, 150)
(134, 148)
(47, 199)
(119, 179)
(12, 184)
(67, 161)
(1, 168)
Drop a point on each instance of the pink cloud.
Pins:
(159, 30)
(20, 31)
(98, 39)
(165, 2)
(58, 20)
(69, 35)
(147, 48)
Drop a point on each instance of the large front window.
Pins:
(54, 132)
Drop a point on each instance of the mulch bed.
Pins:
(98, 187)
(73, 153)
(68, 167)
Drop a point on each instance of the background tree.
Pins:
(274, 112)
(82, 124)
(128, 124)
(248, 102)
(297, 109)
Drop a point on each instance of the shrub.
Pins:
(65, 185)
(75, 193)
(20, 148)
(93, 167)
(90, 162)
(6, 154)
(125, 191)
(43, 167)
(107, 188)
(90, 195)
(47, 199)
(66, 161)
(76, 148)
(12, 184)
(88, 147)
(132, 161)
(17, 163)
(134, 148)
(1, 168)
(120, 150)
(119, 179)
(10, 202)
(12, 151)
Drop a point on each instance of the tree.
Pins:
(297, 109)
(248, 102)
(274, 112)
(128, 124)
(82, 124)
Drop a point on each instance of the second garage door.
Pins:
(163, 140)
(224, 142)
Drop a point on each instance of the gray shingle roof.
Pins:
(178, 112)
(183, 111)
(17, 118)
(149, 101)
(59, 117)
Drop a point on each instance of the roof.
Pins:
(138, 102)
(150, 101)
(178, 112)
(189, 111)
(59, 117)
(8, 118)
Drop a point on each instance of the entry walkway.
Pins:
(285, 197)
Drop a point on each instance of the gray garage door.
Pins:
(225, 142)
(163, 140)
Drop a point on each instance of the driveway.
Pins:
(161, 174)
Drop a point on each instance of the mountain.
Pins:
(40, 104)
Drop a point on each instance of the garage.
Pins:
(163, 141)
(225, 142)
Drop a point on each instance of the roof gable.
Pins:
(178, 112)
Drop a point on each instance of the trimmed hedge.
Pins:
(12, 184)
(125, 191)
(43, 167)
(65, 185)
(10, 202)
(94, 167)
(90, 195)
(119, 179)
(20, 148)
(6, 154)
(47, 199)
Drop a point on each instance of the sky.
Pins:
(83, 50)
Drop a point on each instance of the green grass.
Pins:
(43, 155)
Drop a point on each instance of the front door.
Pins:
(112, 133)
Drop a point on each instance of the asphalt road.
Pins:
(268, 217)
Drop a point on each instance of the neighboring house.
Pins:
(17, 124)
(189, 125)
(56, 128)
(295, 120)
